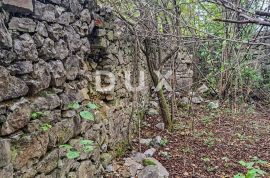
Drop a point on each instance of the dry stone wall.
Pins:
(49, 52)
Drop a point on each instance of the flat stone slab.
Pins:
(18, 6)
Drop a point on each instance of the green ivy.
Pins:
(86, 115)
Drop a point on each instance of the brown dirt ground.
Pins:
(211, 143)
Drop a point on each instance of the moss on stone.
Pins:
(148, 162)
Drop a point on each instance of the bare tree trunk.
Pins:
(163, 104)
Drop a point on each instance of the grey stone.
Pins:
(160, 126)
(30, 147)
(25, 47)
(49, 162)
(101, 32)
(42, 29)
(197, 100)
(58, 73)
(5, 37)
(152, 172)
(72, 66)
(45, 12)
(157, 170)
(139, 157)
(73, 39)
(62, 132)
(40, 78)
(56, 1)
(7, 172)
(150, 152)
(55, 31)
(47, 51)
(22, 24)
(18, 118)
(5, 153)
(75, 7)
(109, 168)
(81, 28)
(185, 100)
(66, 18)
(86, 169)
(3, 119)
(59, 11)
(152, 112)
(39, 40)
(203, 89)
(62, 50)
(85, 16)
(69, 114)
(21, 67)
(133, 166)
(18, 6)
(158, 140)
(11, 87)
(43, 103)
(6, 57)
(145, 141)
(85, 48)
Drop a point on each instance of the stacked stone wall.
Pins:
(49, 53)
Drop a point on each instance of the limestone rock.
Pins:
(30, 147)
(44, 103)
(160, 126)
(145, 141)
(150, 172)
(73, 39)
(72, 66)
(85, 16)
(22, 24)
(39, 79)
(49, 162)
(42, 29)
(58, 73)
(62, 50)
(55, 31)
(86, 169)
(5, 37)
(21, 67)
(203, 89)
(81, 28)
(197, 100)
(61, 132)
(5, 153)
(158, 170)
(18, 6)
(39, 40)
(47, 51)
(133, 166)
(6, 57)
(7, 171)
(75, 6)
(18, 118)
(45, 12)
(66, 18)
(25, 47)
(150, 152)
(69, 114)
(11, 87)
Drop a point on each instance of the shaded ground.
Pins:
(211, 143)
